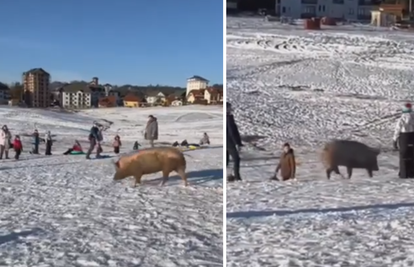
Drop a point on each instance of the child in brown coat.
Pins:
(117, 144)
(287, 164)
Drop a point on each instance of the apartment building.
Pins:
(196, 83)
(340, 9)
(76, 95)
(36, 88)
(4, 93)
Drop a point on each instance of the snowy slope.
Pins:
(66, 211)
(306, 87)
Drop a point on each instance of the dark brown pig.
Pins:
(351, 154)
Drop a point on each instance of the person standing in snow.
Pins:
(205, 140)
(233, 144)
(136, 146)
(117, 144)
(49, 143)
(151, 130)
(404, 136)
(36, 142)
(100, 140)
(93, 141)
(5, 141)
(17, 146)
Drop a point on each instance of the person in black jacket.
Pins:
(233, 144)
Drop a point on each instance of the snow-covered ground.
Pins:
(67, 211)
(306, 87)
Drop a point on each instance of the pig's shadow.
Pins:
(197, 177)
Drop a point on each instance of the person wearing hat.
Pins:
(404, 141)
(233, 144)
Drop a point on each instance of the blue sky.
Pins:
(130, 41)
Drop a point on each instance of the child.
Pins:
(205, 140)
(77, 148)
(17, 146)
(287, 164)
(136, 146)
(117, 144)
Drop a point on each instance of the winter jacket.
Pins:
(100, 135)
(287, 165)
(77, 148)
(17, 144)
(205, 140)
(36, 139)
(233, 135)
(116, 143)
(136, 146)
(405, 124)
(151, 131)
(48, 137)
(5, 138)
(94, 133)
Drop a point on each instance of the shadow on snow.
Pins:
(197, 177)
(252, 214)
(16, 236)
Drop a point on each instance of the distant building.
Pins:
(196, 96)
(4, 93)
(213, 95)
(196, 83)
(108, 102)
(132, 100)
(339, 9)
(155, 98)
(36, 88)
(76, 95)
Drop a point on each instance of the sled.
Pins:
(77, 153)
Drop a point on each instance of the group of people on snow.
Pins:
(95, 138)
(6, 143)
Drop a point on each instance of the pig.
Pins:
(351, 154)
(147, 161)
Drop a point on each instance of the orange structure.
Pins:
(313, 24)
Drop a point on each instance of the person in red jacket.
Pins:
(17, 146)
(75, 148)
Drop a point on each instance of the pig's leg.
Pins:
(370, 173)
(165, 175)
(137, 180)
(181, 173)
(349, 170)
(336, 170)
(328, 173)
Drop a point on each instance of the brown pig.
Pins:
(147, 161)
(351, 154)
